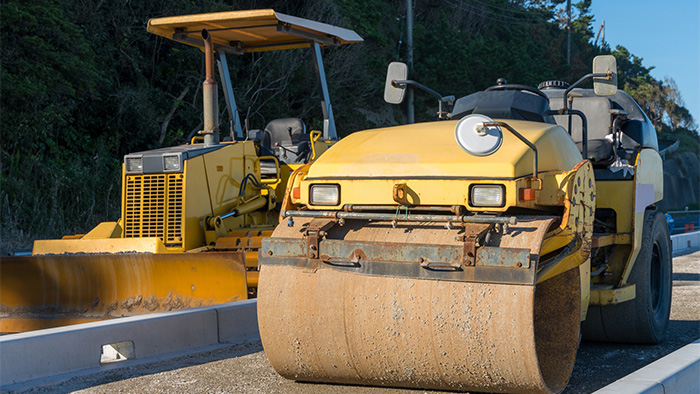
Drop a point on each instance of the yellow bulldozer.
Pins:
(192, 216)
(472, 252)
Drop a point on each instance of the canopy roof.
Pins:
(250, 31)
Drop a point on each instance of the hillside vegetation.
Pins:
(83, 83)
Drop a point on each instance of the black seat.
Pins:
(288, 139)
(599, 150)
(285, 131)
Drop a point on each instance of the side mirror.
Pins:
(397, 71)
(605, 86)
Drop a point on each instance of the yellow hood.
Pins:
(427, 150)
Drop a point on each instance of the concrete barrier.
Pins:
(677, 373)
(43, 356)
(685, 241)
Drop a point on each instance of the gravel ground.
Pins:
(245, 369)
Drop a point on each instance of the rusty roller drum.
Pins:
(326, 322)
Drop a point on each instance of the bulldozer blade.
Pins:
(328, 323)
(46, 291)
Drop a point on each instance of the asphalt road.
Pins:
(244, 368)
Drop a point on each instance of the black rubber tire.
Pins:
(643, 320)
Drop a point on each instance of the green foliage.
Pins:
(689, 139)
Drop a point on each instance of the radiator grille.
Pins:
(153, 207)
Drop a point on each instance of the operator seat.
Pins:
(599, 117)
(285, 132)
(287, 139)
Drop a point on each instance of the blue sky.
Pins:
(665, 34)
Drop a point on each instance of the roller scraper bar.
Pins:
(401, 217)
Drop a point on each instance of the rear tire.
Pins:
(643, 320)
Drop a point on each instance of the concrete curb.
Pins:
(56, 354)
(679, 372)
(685, 241)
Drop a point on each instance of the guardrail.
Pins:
(683, 221)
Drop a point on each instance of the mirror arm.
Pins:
(579, 82)
(535, 168)
(418, 85)
(395, 83)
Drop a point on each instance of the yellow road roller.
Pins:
(192, 216)
(465, 253)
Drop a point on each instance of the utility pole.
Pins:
(602, 29)
(568, 32)
(409, 42)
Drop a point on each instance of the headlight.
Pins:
(487, 196)
(171, 163)
(134, 164)
(324, 195)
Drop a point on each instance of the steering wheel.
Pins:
(518, 87)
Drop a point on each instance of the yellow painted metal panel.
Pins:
(255, 30)
(393, 152)
(648, 189)
(611, 239)
(196, 201)
(368, 164)
(557, 239)
(613, 296)
(619, 196)
(285, 172)
(420, 192)
(225, 170)
(111, 285)
(650, 171)
(585, 276)
(577, 221)
(104, 245)
(105, 230)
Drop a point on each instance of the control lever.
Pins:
(285, 150)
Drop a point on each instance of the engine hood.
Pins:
(429, 150)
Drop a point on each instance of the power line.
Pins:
(493, 15)
(526, 12)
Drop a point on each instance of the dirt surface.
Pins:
(244, 368)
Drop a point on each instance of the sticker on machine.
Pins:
(643, 196)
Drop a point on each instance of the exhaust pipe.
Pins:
(210, 93)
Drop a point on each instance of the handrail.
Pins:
(532, 146)
(313, 139)
(584, 126)
(277, 170)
